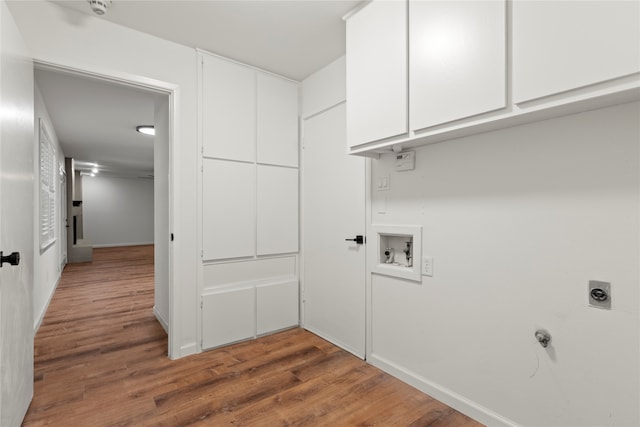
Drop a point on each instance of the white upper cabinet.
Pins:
(457, 60)
(228, 107)
(564, 45)
(377, 72)
(277, 117)
(481, 65)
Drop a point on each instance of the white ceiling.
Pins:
(292, 38)
(95, 121)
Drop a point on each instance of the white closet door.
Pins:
(228, 215)
(277, 210)
(228, 316)
(277, 121)
(277, 306)
(229, 110)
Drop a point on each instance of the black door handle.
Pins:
(13, 259)
(359, 240)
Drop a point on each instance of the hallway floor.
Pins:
(100, 360)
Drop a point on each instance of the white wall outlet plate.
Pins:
(427, 266)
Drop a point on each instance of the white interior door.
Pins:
(333, 210)
(16, 223)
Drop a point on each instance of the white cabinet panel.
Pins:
(564, 45)
(457, 60)
(228, 316)
(228, 216)
(229, 106)
(277, 121)
(377, 72)
(277, 209)
(277, 306)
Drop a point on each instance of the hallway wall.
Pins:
(47, 265)
(117, 211)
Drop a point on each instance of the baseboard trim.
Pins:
(444, 395)
(334, 341)
(117, 245)
(161, 320)
(188, 350)
(46, 306)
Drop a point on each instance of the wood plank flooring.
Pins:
(100, 360)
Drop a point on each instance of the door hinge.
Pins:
(172, 237)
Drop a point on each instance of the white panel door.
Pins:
(377, 72)
(16, 222)
(564, 45)
(457, 60)
(334, 209)
(277, 306)
(277, 121)
(228, 209)
(277, 210)
(228, 316)
(228, 110)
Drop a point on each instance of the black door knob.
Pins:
(359, 239)
(13, 259)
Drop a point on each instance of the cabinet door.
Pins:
(277, 121)
(457, 60)
(228, 110)
(277, 306)
(228, 202)
(377, 72)
(564, 45)
(277, 210)
(228, 316)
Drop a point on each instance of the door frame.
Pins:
(173, 92)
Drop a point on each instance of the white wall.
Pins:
(324, 88)
(48, 264)
(117, 211)
(65, 37)
(518, 221)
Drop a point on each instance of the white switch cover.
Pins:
(427, 266)
(383, 183)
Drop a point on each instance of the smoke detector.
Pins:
(99, 7)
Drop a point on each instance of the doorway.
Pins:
(125, 174)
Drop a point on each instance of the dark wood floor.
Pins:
(100, 360)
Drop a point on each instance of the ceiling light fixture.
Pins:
(94, 170)
(146, 129)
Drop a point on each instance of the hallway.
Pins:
(100, 360)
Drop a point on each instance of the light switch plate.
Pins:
(383, 183)
(427, 266)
